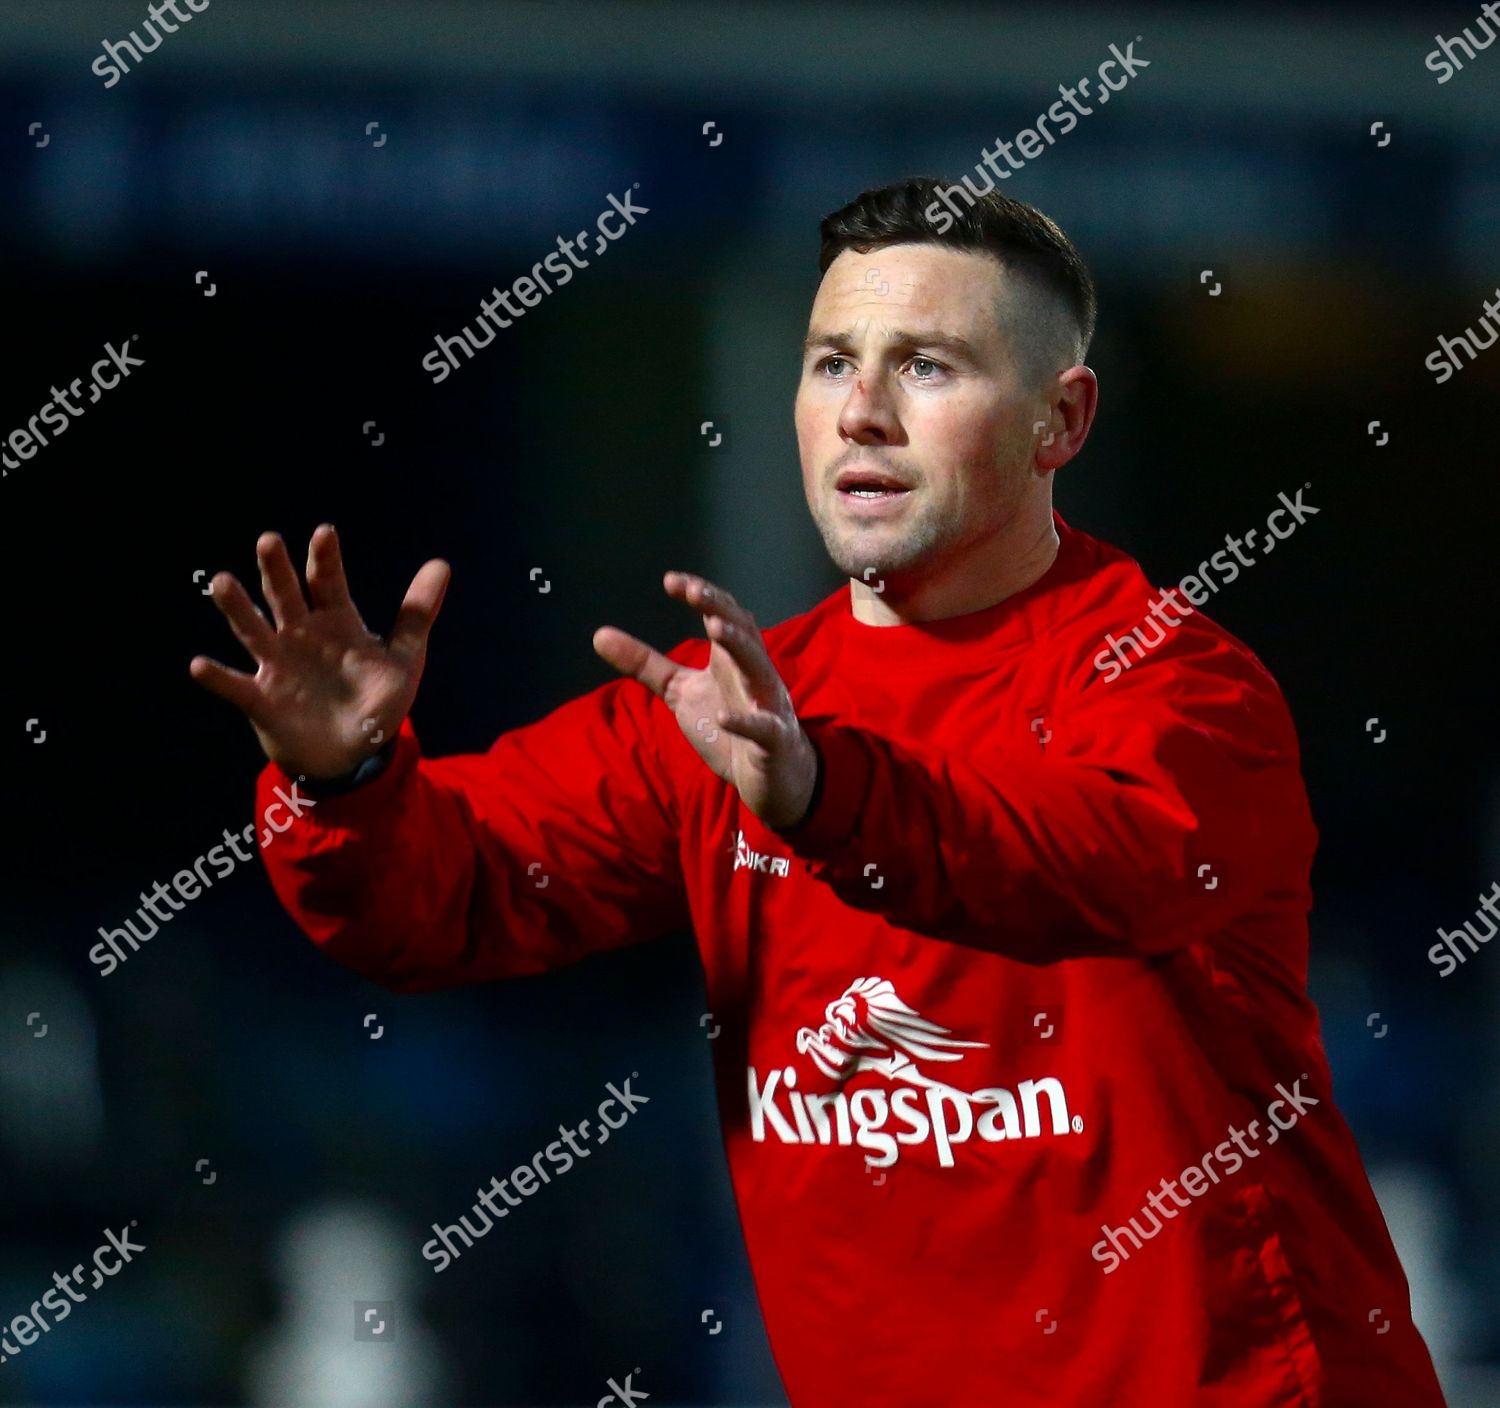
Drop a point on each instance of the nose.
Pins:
(869, 414)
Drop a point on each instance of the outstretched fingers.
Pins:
(237, 687)
(278, 580)
(633, 657)
(733, 627)
(326, 583)
(250, 627)
(766, 729)
(708, 600)
(700, 593)
(748, 651)
(418, 611)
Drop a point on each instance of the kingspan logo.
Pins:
(870, 1028)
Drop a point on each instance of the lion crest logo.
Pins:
(869, 1028)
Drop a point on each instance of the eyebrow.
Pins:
(901, 337)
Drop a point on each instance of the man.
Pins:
(1023, 1097)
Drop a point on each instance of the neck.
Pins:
(1007, 563)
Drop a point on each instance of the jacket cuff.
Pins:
(838, 798)
(367, 771)
(376, 778)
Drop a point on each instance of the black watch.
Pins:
(367, 771)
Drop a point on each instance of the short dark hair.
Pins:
(1018, 235)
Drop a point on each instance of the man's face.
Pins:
(907, 376)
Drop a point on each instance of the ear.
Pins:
(1073, 401)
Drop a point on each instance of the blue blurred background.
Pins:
(335, 251)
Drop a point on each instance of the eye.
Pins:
(827, 362)
(934, 368)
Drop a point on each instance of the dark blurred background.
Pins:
(335, 253)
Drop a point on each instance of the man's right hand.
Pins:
(327, 692)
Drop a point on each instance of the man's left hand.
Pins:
(752, 737)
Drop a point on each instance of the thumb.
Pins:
(635, 658)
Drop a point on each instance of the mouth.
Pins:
(870, 486)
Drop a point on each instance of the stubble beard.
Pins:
(890, 548)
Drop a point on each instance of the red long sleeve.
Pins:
(560, 841)
(1094, 838)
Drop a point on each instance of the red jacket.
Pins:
(997, 1017)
